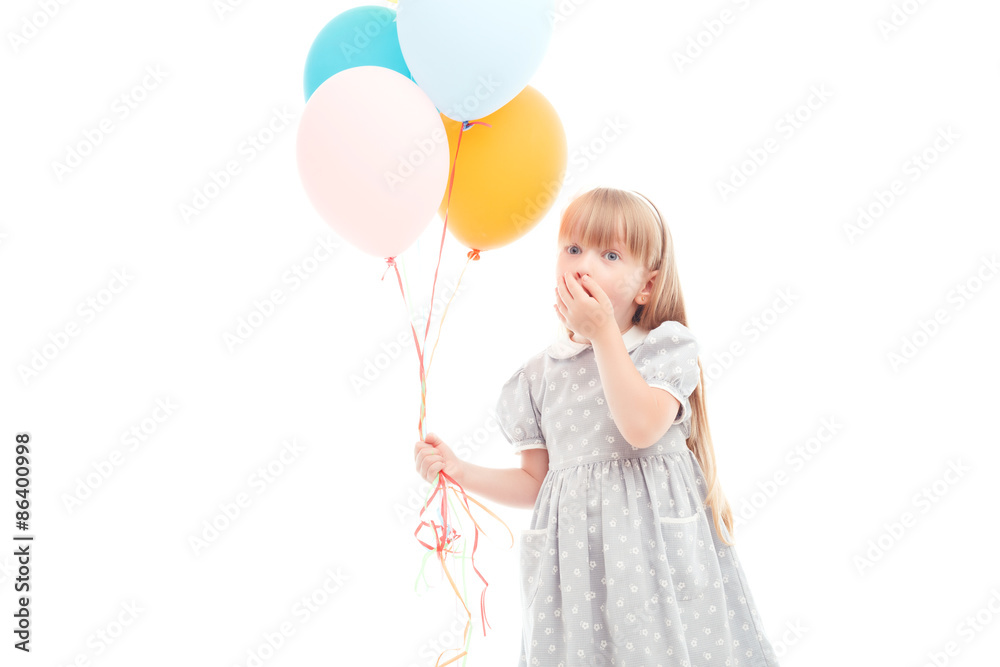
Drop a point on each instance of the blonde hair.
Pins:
(602, 216)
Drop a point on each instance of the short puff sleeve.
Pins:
(668, 359)
(517, 415)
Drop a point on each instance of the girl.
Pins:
(629, 560)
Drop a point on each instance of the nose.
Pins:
(582, 265)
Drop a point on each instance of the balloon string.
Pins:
(447, 306)
(451, 179)
(391, 263)
(445, 534)
(406, 283)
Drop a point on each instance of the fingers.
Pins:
(419, 447)
(429, 462)
(572, 285)
(592, 288)
(562, 290)
(560, 304)
(431, 471)
(588, 286)
(432, 440)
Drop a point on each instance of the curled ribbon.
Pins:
(445, 535)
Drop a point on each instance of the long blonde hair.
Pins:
(601, 216)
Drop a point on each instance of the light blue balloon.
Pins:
(471, 57)
(360, 36)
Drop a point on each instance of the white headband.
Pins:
(648, 203)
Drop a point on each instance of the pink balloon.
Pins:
(373, 157)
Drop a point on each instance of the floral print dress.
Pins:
(622, 564)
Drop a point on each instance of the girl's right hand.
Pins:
(434, 456)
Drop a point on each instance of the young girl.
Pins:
(629, 560)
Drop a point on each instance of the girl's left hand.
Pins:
(583, 306)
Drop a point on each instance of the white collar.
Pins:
(564, 347)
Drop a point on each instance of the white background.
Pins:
(342, 505)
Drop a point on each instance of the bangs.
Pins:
(603, 218)
(591, 230)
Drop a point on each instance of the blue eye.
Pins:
(615, 255)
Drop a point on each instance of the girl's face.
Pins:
(615, 271)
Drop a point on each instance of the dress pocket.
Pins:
(533, 544)
(689, 551)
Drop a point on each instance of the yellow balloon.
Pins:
(508, 175)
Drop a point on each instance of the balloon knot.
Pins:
(466, 124)
(390, 262)
(473, 254)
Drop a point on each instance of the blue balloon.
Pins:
(360, 36)
(471, 57)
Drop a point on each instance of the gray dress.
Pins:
(622, 564)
